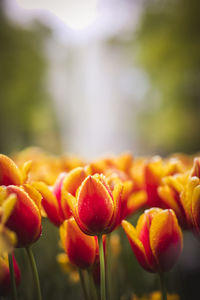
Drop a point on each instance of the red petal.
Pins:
(95, 205)
(25, 219)
(80, 248)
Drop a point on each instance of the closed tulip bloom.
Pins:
(25, 218)
(80, 248)
(5, 281)
(95, 207)
(157, 239)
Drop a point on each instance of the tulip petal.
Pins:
(127, 189)
(196, 208)
(153, 172)
(124, 162)
(136, 245)
(116, 219)
(71, 202)
(34, 194)
(25, 219)
(8, 240)
(196, 168)
(135, 202)
(171, 199)
(73, 180)
(95, 205)
(57, 190)
(9, 172)
(49, 203)
(80, 248)
(143, 229)
(165, 239)
(7, 207)
(186, 198)
(25, 170)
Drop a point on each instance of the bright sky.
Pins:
(77, 14)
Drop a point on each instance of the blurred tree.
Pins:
(167, 47)
(26, 114)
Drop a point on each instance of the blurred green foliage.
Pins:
(167, 47)
(26, 112)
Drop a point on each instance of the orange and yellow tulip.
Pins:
(157, 239)
(80, 248)
(25, 218)
(94, 206)
(182, 194)
(155, 170)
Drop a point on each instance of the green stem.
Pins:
(83, 284)
(102, 268)
(93, 290)
(162, 286)
(108, 267)
(34, 272)
(12, 277)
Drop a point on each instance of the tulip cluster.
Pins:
(87, 201)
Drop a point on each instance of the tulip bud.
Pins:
(81, 249)
(25, 218)
(157, 239)
(95, 207)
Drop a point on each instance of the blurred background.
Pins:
(98, 76)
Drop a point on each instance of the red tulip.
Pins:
(95, 207)
(81, 249)
(25, 218)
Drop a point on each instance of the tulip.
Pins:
(95, 207)
(53, 197)
(5, 280)
(25, 218)
(156, 169)
(10, 174)
(46, 167)
(156, 240)
(81, 249)
(182, 194)
(8, 238)
(190, 197)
